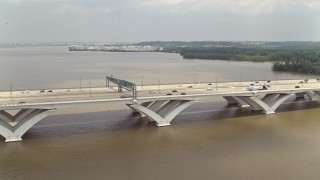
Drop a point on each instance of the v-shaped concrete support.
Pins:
(312, 95)
(162, 111)
(234, 100)
(14, 127)
(268, 104)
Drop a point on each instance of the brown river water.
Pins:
(208, 140)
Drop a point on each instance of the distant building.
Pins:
(124, 48)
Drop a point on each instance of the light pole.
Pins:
(159, 85)
(216, 83)
(142, 81)
(11, 90)
(90, 88)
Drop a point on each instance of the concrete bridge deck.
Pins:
(153, 101)
(220, 88)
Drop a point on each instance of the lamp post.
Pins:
(159, 85)
(90, 88)
(216, 83)
(142, 81)
(11, 90)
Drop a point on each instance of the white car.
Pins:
(253, 87)
(25, 92)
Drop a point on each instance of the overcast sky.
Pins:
(165, 20)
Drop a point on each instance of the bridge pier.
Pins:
(299, 95)
(13, 127)
(310, 95)
(234, 100)
(163, 111)
(268, 104)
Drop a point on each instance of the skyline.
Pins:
(41, 21)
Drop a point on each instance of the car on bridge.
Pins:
(25, 92)
(126, 96)
(254, 87)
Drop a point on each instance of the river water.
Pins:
(208, 140)
(56, 67)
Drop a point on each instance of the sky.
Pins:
(158, 20)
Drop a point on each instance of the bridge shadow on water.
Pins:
(221, 110)
(118, 120)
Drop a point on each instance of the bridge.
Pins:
(21, 110)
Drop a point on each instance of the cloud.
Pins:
(167, 2)
(20, 2)
(77, 8)
(314, 5)
(67, 6)
(249, 7)
(252, 7)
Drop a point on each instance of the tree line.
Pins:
(293, 56)
(293, 60)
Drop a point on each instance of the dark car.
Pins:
(264, 87)
(297, 87)
(190, 86)
(126, 96)
(49, 91)
(169, 94)
(183, 93)
(174, 91)
(21, 102)
(42, 91)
